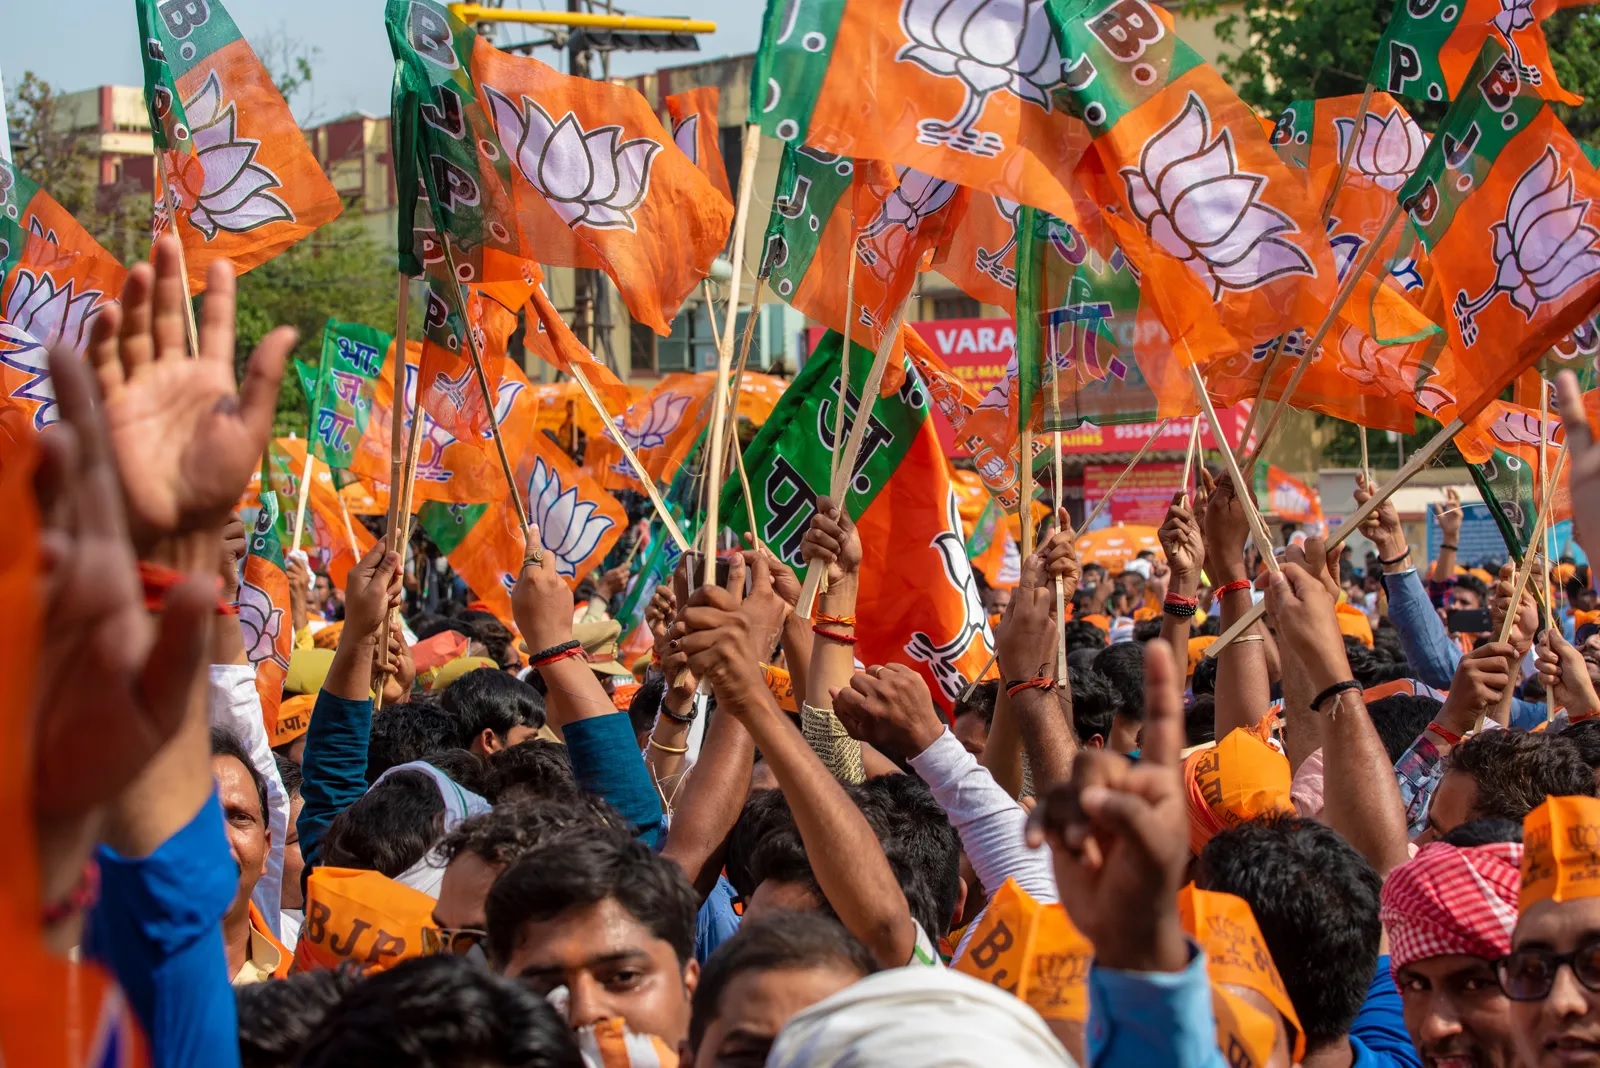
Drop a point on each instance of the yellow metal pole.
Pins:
(582, 20)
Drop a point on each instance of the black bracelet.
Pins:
(554, 650)
(665, 711)
(1446, 545)
(1333, 691)
(1180, 611)
(1397, 560)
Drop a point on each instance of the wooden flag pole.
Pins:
(349, 530)
(1188, 459)
(719, 407)
(397, 417)
(1531, 560)
(844, 364)
(582, 378)
(1246, 492)
(838, 486)
(1356, 133)
(1366, 468)
(183, 260)
(1420, 459)
(734, 447)
(490, 392)
(711, 314)
(303, 497)
(1357, 271)
(1055, 514)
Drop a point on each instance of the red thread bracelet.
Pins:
(833, 635)
(556, 659)
(1040, 683)
(1178, 599)
(1451, 739)
(79, 899)
(1235, 586)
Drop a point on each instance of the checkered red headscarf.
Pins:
(1450, 901)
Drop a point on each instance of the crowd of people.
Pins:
(1355, 835)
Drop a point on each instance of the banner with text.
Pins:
(1142, 499)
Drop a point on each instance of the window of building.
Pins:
(644, 348)
(955, 306)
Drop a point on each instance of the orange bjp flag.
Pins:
(1031, 950)
(451, 393)
(237, 179)
(549, 337)
(660, 427)
(695, 131)
(333, 541)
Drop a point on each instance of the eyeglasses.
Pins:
(1529, 974)
(451, 941)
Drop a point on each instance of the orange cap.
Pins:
(1353, 623)
(1236, 953)
(1032, 950)
(294, 718)
(1560, 851)
(1239, 779)
(328, 637)
(1245, 1033)
(360, 916)
(1197, 649)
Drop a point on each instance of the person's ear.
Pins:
(691, 976)
(1096, 741)
(488, 742)
(962, 890)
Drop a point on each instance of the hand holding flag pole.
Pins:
(1246, 492)
(400, 473)
(1520, 581)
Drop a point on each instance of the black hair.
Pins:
(512, 831)
(645, 701)
(1386, 642)
(1586, 736)
(1316, 902)
(765, 843)
(1122, 665)
(1147, 630)
(1094, 704)
(388, 828)
(288, 771)
(577, 869)
(499, 644)
(464, 768)
(1516, 770)
(224, 743)
(1475, 584)
(441, 1012)
(1081, 634)
(493, 700)
(922, 847)
(406, 732)
(277, 1019)
(1200, 720)
(532, 770)
(1212, 627)
(1484, 832)
(979, 701)
(1399, 718)
(1081, 659)
(776, 942)
(1369, 668)
(1204, 679)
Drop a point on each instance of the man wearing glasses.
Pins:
(1449, 914)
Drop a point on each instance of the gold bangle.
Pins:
(1247, 638)
(668, 748)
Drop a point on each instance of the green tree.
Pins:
(1342, 445)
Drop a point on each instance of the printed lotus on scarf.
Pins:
(235, 191)
(568, 526)
(665, 413)
(1389, 149)
(22, 353)
(51, 313)
(262, 623)
(991, 46)
(1197, 205)
(1542, 247)
(589, 178)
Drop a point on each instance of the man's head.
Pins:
(996, 599)
(775, 966)
(1316, 901)
(445, 1012)
(608, 919)
(1504, 775)
(1094, 707)
(531, 771)
(1586, 736)
(493, 710)
(243, 793)
(294, 862)
(406, 732)
(1468, 593)
(478, 850)
(1449, 913)
(974, 715)
(321, 588)
(923, 848)
(1122, 665)
(1399, 718)
(277, 1019)
(1081, 634)
(389, 828)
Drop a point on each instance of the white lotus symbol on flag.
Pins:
(993, 263)
(262, 623)
(991, 46)
(234, 195)
(568, 526)
(686, 135)
(1196, 204)
(22, 353)
(942, 658)
(1543, 247)
(49, 312)
(666, 412)
(589, 178)
(1389, 149)
(918, 196)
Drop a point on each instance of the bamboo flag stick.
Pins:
(1420, 459)
(1545, 489)
(844, 364)
(490, 396)
(1188, 460)
(711, 314)
(349, 531)
(1531, 560)
(719, 407)
(839, 485)
(303, 497)
(1352, 280)
(734, 447)
(183, 260)
(1025, 489)
(1055, 511)
(1366, 468)
(1245, 491)
(397, 414)
(582, 378)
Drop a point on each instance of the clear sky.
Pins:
(78, 44)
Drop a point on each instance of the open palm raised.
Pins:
(184, 438)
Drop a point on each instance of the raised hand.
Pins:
(1480, 682)
(399, 670)
(1301, 612)
(1026, 644)
(763, 606)
(299, 575)
(889, 708)
(1448, 514)
(832, 539)
(1118, 832)
(108, 671)
(1526, 624)
(184, 438)
(1565, 674)
(718, 639)
(1226, 529)
(1183, 545)
(1059, 551)
(1319, 562)
(658, 616)
(541, 603)
(1382, 527)
(784, 580)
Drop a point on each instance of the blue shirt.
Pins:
(716, 921)
(606, 762)
(158, 927)
(1157, 1018)
(334, 766)
(1378, 1038)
